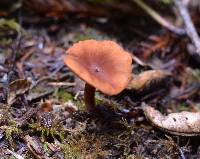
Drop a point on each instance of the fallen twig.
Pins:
(159, 19)
(17, 156)
(181, 154)
(189, 26)
(20, 63)
(138, 61)
(35, 147)
(48, 78)
(68, 84)
(24, 119)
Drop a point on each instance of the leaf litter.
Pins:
(46, 118)
(183, 123)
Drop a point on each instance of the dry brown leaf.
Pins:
(183, 123)
(146, 79)
(17, 87)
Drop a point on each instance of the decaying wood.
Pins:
(183, 123)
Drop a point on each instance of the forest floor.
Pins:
(42, 113)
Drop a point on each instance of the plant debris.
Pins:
(42, 110)
(182, 123)
(148, 79)
(16, 88)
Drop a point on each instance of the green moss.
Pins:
(70, 151)
(55, 130)
(106, 102)
(62, 95)
(183, 107)
(9, 131)
(81, 105)
(193, 76)
(10, 24)
(81, 37)
(89, 34)
(8, 28)
(98, 101)
(196, 74)
(83, 146)
(46, 148)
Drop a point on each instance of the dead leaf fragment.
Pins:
(35, 146)
(183, 123)
(147, 78)
(17, 87)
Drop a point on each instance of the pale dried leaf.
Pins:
(146, 79)
(183, 123)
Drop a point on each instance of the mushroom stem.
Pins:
(89, 93)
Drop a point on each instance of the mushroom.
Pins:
(103, 65)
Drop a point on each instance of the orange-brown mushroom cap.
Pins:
(102, 64)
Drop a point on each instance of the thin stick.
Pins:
(68, 84)
(159, 19)
(24, 119)
(189, 26)
(15, 154)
